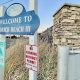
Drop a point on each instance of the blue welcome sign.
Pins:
(19, 22)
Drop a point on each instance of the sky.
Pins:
(46, 9)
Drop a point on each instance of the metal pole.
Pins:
(63, 52)
(33, 5)
(3, 41)
(2, 56)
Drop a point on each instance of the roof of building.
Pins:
(47, 29)
(66, 4)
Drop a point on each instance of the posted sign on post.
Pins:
(32, 57)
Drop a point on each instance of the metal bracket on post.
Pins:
(33, 38)
(74, 51)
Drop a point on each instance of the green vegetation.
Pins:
(15, 67)
(48, 63)
(15, 60)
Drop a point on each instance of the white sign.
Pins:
(32, 57)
